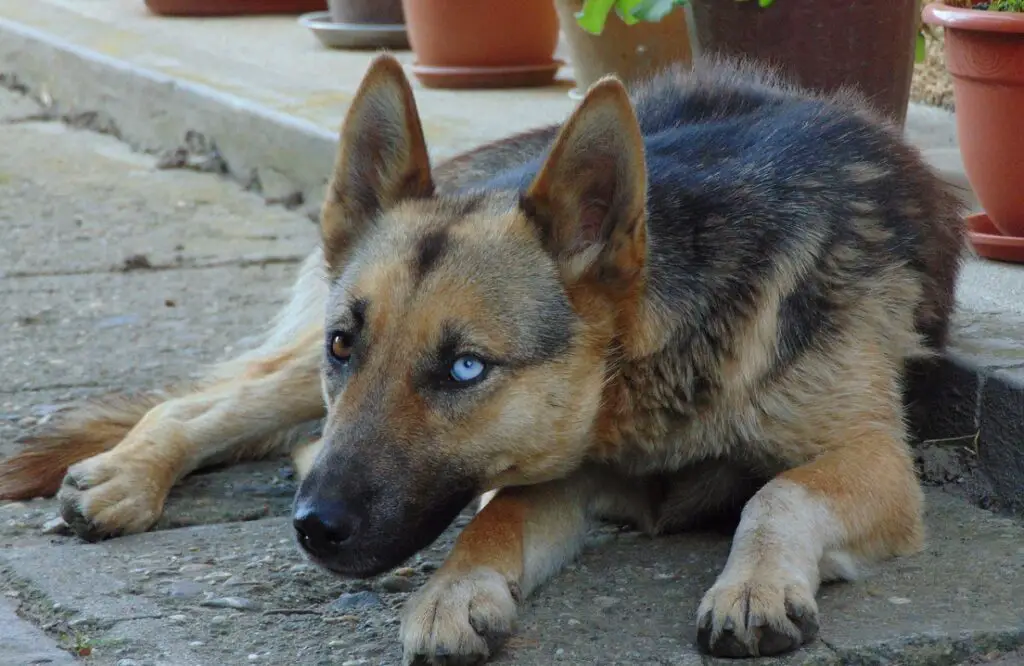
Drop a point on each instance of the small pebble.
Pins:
(899, 601)
(56, 526)
(179, 618)
(193, 567)
(219, 619)
(127, 662)
(605, 602)
(238, 603)
(185, 588)
(405, 571)
(396, 584)
(195, 643)
(254, 657)
(354, 600)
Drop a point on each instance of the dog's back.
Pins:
(751, 180)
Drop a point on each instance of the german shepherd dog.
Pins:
(698, 298)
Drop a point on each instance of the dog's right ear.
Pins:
(382, 159)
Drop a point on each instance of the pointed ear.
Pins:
(382, 159)
(589, 199)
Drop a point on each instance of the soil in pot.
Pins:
(482, 43)
(821, 44)
(233, 7)
(985, 56)
(631, 52)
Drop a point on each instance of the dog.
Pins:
(697, 298)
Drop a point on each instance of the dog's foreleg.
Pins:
(857, 502)
(123, 490)
(520, 538)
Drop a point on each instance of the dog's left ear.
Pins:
(382, 159)
(589, 198)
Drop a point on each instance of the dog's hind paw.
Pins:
(111, 495)
(458, 620)
(760, 616)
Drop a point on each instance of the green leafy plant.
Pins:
(594, 14)
(1005, 6)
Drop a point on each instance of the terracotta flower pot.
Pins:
(985, 56)
(482, 43)
(233, 7)
(822, 44)
(631, 52)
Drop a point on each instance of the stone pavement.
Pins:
(115, 273)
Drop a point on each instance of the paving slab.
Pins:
(218, 594)
(135, 215)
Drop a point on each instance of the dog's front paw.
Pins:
(113, 494)
(459, 619)
(764, 613)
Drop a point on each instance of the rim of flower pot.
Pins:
(973, 19)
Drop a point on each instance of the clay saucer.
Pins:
(523, 76)
(355, 35)
(991, 244)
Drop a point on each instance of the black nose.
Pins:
(323, 529)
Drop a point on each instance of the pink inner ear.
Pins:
(591, 223)
(598, 192)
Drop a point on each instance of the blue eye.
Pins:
(467, 368)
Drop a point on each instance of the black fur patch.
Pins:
(429, 251)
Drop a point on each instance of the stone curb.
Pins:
(21, 642)
(969, 420)
(259, 146)
(154, 112)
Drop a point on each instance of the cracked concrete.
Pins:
(219, 580)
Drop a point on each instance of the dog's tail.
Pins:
(38, 469)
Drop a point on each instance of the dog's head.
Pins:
(467, 337)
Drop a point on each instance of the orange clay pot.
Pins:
(481, 33)
(985, 56)
(233, 7)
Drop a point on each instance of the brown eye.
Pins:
(341, 347)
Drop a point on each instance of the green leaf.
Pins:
(765, 3)
(919, 48)
(593, 14)
(655, 10)
(625, 8)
